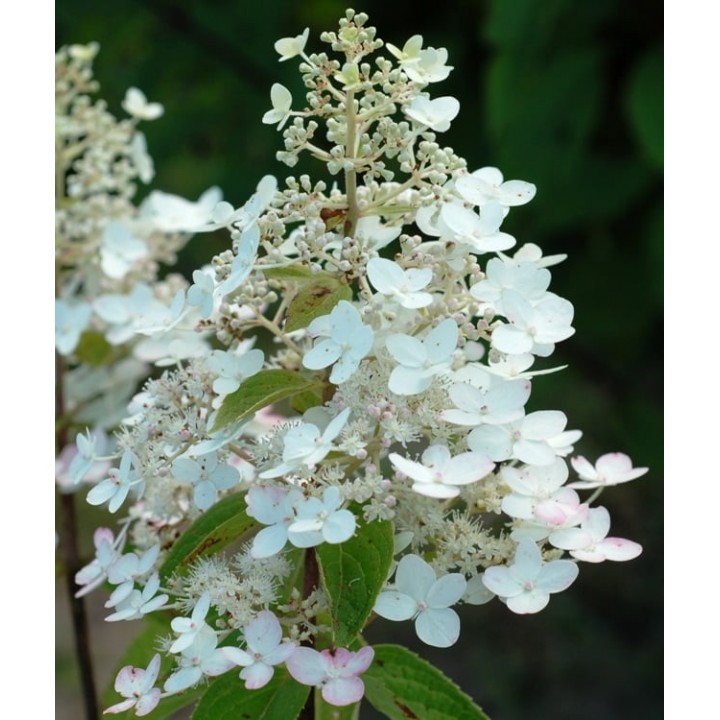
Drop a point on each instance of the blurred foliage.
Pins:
(565, 94)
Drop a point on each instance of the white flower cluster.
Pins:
(399, 301)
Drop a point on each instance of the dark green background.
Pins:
(565, 94)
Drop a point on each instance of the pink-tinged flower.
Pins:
(137, 686)
(590, 543)
(107, 551)
(265, 648)
(610, 469)
(336, 673)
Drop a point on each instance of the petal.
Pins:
(237, 656)
(257, 675)
(619, 549)
(343, 691)
(439, 627)
(263, 634)
(446, 591)
(406, 350)
(148, 702)
(393, 605)
(339, 527)
(412, 469)
(557, 576)
(414, 577)
(325, 353)
(307, 666)
(501, 582)
(528, 602)
(441, 341)
(409, 380)
(269, 541)
(182, 679)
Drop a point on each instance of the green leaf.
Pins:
(645, 105)
(93, 349)
(227, 699)
(294, 273)
(138, 654)
(211, 532)
(259, 391)
(314, 300)
(402, 685)
(353, 574)
(306, 400)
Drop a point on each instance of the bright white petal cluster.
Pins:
(404, 286)
(265, 649)
(439, 474)
(419, 361)
(346, 342)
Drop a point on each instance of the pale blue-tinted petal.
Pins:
(406, 350)
(439, 627)
(557, 576)
(325, 353)
(394, 605)
(501, 582)
(338, 527)
(269, 541)
(414, 577)
(446, 591)
(528, 602)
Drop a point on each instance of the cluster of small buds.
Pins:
(412, 336)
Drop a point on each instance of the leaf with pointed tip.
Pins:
(223, 523)
(259, 391)
(353, 574)
(402, 685)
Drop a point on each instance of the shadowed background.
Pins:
(564, 94)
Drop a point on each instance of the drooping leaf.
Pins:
(227, 699)
(138, 654)
(402, 685)
(223, 523)
(353, 574)
(315, 299)
(259, 391)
